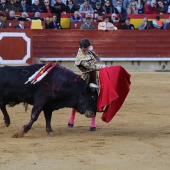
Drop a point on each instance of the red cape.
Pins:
(114, 87)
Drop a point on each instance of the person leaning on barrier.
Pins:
(127, 25)
(21, 23)
(2, 22)
(54, 24)
(87, 25)
(143, 25)
(106, 25)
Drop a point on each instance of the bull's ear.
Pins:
(93, 86)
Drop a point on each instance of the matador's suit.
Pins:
(89, 64)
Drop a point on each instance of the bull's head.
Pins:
(88, 102)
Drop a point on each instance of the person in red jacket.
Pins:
(151, 8)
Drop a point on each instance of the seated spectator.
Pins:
(78, 3)
(114, 18)
(37, 7)
(151, 8)
(143, 25)
(25, 15)
(47, 6)
(47, 23)
(140, 6)
(93, 3)
(98, 10)
(132, 9)
(126, 3)
(24, 7)
(11, 16)
(86, 7)
(106, 25)
(21, 23)
(157, 23)
(37, 16)
(71, 7)
(120, 10)
(59, 7)
(87, 25)
(54, 24)
(128, 25)
(14, 5)
(4, 7)
(162, 8)
(76, 17)
(2, 23)
(108, 9)
(99, 18)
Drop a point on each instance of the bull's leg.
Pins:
(71, 120)
(34, 116)
(6, 116)
(93, 124)
(48, 116)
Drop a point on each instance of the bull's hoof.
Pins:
(6, 124)
(51, 133)
(70, 125)
(18, 135)
(92, 128)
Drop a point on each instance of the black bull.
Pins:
(60, 88)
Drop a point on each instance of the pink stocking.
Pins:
(93, 122)
(71, 120)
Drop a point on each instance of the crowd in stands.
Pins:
(91, 9)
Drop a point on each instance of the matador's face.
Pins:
(85, 50)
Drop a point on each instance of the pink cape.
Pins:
(114, 87)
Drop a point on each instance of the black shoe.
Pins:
(70, 125)
(92, 128)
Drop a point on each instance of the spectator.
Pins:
(11, 16)
(2, 23)
(99, 18)
(76, 17)
(86, 7)
(93, 3)
(87, 25)
(162, 8)
(132, 9)
(24, 7)
(126, 3)
(128, 25)
(143, 25)
(106, 25)
(4, 7)
(14, 5)
(37, 7)
(120, 10)
(60, 7)
(71, 7)
(47, 6)
(157, 23)
(140, 6)
(151, 8)
(47, 23)
(21, 23)
(54, 24)
(78, 3)
(114, 18)
(98, 10)
(25, 15)
(108, 9)
(37, 16)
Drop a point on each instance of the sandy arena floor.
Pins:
(138, 137)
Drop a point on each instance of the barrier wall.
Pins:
(134, 46)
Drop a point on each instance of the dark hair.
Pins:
(127, 19)
(88, 18)
(106, 17)
(84, 43)
(157, 17)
